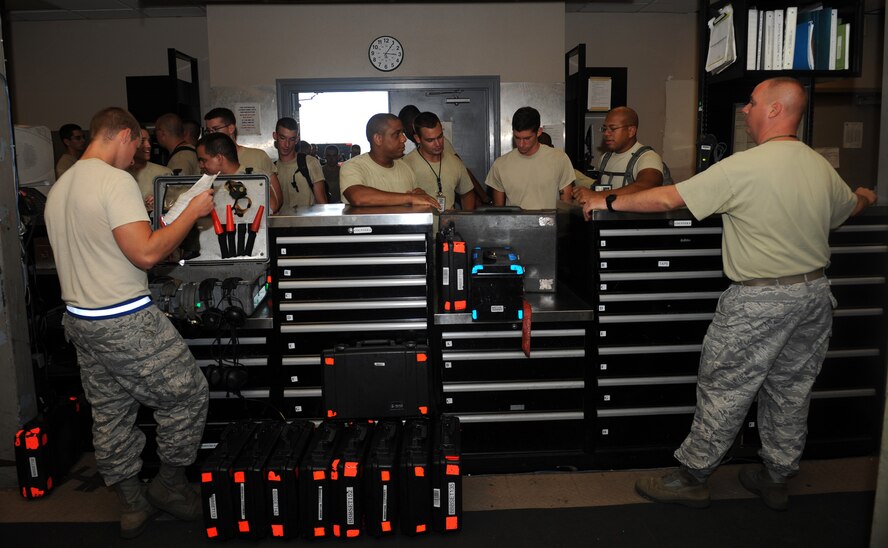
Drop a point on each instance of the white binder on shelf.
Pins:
(777, 59)
(752, 38)
(833, 28)
(768, 38)
(789, 30)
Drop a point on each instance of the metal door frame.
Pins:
(288, 90)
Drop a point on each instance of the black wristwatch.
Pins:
(609, 202)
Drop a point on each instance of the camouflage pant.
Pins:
(765, 341)
(132, 360)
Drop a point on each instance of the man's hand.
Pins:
(202, 204)
(594, 202)
(582, 194)
(418, 196)
(867, 194)
(149, 203)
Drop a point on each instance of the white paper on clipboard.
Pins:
(722, 46)
(599, 99)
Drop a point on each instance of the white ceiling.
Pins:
(66, 10)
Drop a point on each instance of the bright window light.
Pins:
(339, 117)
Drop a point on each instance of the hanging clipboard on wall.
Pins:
(722, 51)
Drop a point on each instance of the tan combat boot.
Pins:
(135, 510)
(171, 492)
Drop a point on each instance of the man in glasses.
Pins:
(221, 120)
(531, 176)
(301, 173)
(75, 143)
(617, 168)
(169, 130)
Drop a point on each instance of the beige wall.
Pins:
(65, 71)
(438, 39)
(656, 48)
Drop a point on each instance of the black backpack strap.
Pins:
(180, 148)
(302, 167)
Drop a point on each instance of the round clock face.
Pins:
(386, 53)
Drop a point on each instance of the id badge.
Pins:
(442, 201)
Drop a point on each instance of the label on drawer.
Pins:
(283, 251)
(602, 333)
(291, 346)
(448, 365)
(602, 287)
(288, 296)
(682, 223)
(606, 397)
(448, 401)
(497, 308)
(294, 378)
(603, 367)
(663, 264)
(287, 272)
(361, 230)
(297, 409)
(516, 407)
(289, 317)
(601, 308)
(448, 344)
(604, 264)
(604, 432)
(603, 243)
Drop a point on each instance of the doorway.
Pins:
(467, 106)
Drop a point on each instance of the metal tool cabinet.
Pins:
(342, 275)
(518, 412)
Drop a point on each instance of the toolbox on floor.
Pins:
(381, 474)
(452, 270)
(282, 478)
(48, 445)
(497, 284)
(376, 380)
(347, 474)
(247, 475)
(416, 482)
(315, 497)
(216, 485)
(446, 475)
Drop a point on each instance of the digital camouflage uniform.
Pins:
(769, 341)
(139, 359)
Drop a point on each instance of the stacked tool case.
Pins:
(286, 479)
(343, 275)
(47, 446)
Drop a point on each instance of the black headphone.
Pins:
(167, 293)
(211, 317)
(231, 378)
(187, 302)
(234, 314)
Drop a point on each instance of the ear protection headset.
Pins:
(231, 378)
(188, 302)
(211, 317)
(167, 293)
(234, 314)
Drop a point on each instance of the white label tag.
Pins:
(448, 401)
(606, 397)
(604, 432)
(436, 498)
(297, 409)
(445, 276)
(287, 272)
(460, 279)
(275, 505)
(283, 251)
(442, 202)
(602, 333)
(683, 223)
(320, 502)
(294, 378)
(448, 344)
(213, 513)
(289, 317)
(448, 365)
(32, 464)
(603, 367)
(362, 230)
(451, 498)
(663, 264)
(349, 505)
(498, 308)
(604, 264)
(601, 308)
(288, 296)
(243, 501)
(291, 346)
(385, 500)
(602, 287)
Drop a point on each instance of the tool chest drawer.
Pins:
(646, 391)
(644, 361)
(708, 237)
(513, 365)
(652, 329)
(638, 428)
(513, 396)
(521, 433)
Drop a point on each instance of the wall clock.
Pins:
(386, 53)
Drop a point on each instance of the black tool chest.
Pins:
(342, 277)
